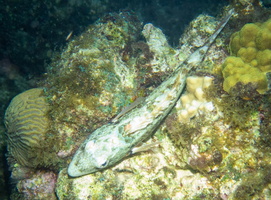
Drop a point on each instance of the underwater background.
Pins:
(66, 52)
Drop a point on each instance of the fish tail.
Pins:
(219, 28)
(198, 56)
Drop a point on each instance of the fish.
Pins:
(113, 142)
(128, 108)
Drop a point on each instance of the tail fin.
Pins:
(199, 54)
(219, 28)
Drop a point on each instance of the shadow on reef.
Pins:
(5, 188)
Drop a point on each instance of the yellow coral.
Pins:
(27, 123)
(248, 35)
(250, 57)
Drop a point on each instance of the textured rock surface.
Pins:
(39, 186)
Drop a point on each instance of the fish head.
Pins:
(98, 153)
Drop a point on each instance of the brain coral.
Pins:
(250, 58)
(26, 123)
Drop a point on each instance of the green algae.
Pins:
(87, 84)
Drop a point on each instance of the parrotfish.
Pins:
(113, 142)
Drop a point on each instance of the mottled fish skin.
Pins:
(112, 142)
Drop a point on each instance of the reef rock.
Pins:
(156, 174)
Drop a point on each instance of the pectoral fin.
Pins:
(144, 147)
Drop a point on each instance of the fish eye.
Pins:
(104, 164)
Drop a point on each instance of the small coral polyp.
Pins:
(250, 58)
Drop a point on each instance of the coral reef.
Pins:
(249, 62)
(101, 71)
(215, 155)
(157, 174)
(95, 83)
(223, 147)
(27, 125)
(221, 153)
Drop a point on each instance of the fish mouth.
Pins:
(77, 168)
(75, 171)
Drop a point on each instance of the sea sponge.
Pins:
(26, 124)
(250, 59)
